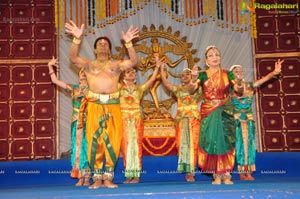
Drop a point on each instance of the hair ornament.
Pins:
(234, 67)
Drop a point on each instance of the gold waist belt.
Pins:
(215, 101)
(103, 97)
(188, 107)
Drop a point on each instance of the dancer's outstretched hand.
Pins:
(53, 62)
(278, 66)
(130, 34)
(72, 29)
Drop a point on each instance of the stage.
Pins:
(277, 176)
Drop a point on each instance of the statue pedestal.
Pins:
(159, 137)
(159, 128)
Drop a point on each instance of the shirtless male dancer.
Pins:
(101, 103)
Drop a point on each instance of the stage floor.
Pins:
(277, 176)
(260, 188)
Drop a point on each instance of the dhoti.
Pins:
(103, 132)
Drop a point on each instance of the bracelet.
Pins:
(276, 72)
(128, 45)
(76, 41)
(51, 73)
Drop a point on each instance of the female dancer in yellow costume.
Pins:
(133, 126)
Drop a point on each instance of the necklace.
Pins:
(98, 66)
(215, 84)
(247, 95)
(130, 89)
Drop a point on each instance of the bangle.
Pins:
(51, 73)
(276, 72)
(128, 44)
(76, 41)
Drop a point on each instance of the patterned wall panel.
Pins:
(28, 113)
(279, 106)
(27, 29)
(277, 32)
(275, 141)
(4, 49)
(28, 99)
(44, 128)
(20, 149)
(4, 130)
(4, 93)
(278, 101)
(21, 31)
(21, 129)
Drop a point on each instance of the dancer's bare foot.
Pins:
(250, 177)
(227, 181)
(86, 182)
(97, 184)
(227, 178)
(127, 181)
(79, 183)
(243, 177)
(217, 181)
(189, 177)
(110, 184)
(135, 180)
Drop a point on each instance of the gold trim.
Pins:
(271, 55)
(24, 61)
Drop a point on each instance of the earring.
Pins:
(207, 64)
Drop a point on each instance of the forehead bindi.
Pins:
(213, 52)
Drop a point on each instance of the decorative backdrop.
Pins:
(224, 23)
(35, 116)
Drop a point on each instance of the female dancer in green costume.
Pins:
(244, 120)
(79, 161)
(217, 133)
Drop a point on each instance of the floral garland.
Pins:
(99, 13)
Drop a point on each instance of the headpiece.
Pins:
(210, 47)
(234, 67)
(186, 69)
